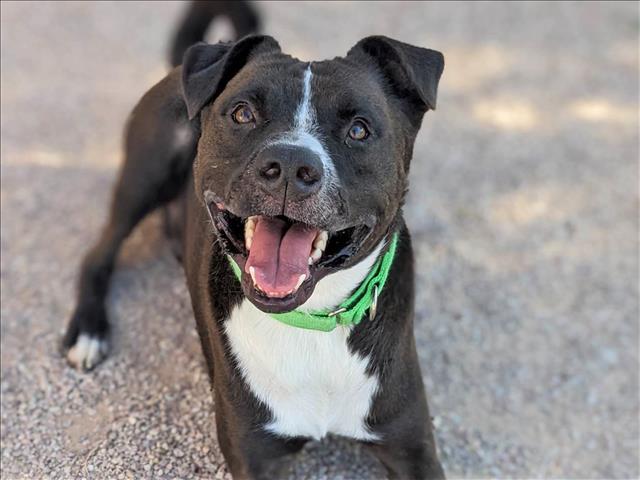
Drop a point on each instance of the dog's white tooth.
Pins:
(316, 254)
(252, 271)
(310, 261)
(320, 241)
(249, 229)
(301, 279)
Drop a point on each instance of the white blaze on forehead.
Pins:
(305, 115)
(305, 131)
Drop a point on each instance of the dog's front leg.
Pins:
(407, 445)
(251, 452)
(160, 146)
(416, 461)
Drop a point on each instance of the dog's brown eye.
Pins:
(243, 114)
(358, 131)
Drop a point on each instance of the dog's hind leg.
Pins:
(159, 151)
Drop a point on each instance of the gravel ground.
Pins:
(524, 211)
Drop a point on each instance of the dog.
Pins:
(282, 184)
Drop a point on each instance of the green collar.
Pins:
(353, 309)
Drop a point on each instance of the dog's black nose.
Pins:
(291, 170)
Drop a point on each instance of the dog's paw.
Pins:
(87, 352)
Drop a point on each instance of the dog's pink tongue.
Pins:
(279, 255)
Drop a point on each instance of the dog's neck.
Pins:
(333, 289)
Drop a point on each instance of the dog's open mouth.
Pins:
(281, 259)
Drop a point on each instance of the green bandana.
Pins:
(353, 309)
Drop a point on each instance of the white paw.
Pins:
(87, 352)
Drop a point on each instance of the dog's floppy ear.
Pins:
(412, 72)
(206, 69)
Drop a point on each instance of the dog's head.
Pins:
(303, 166)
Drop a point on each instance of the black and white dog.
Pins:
(282, 183)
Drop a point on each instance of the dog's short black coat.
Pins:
(189, 105)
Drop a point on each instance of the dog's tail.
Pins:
(199, 16)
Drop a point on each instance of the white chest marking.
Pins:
(311, 382)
